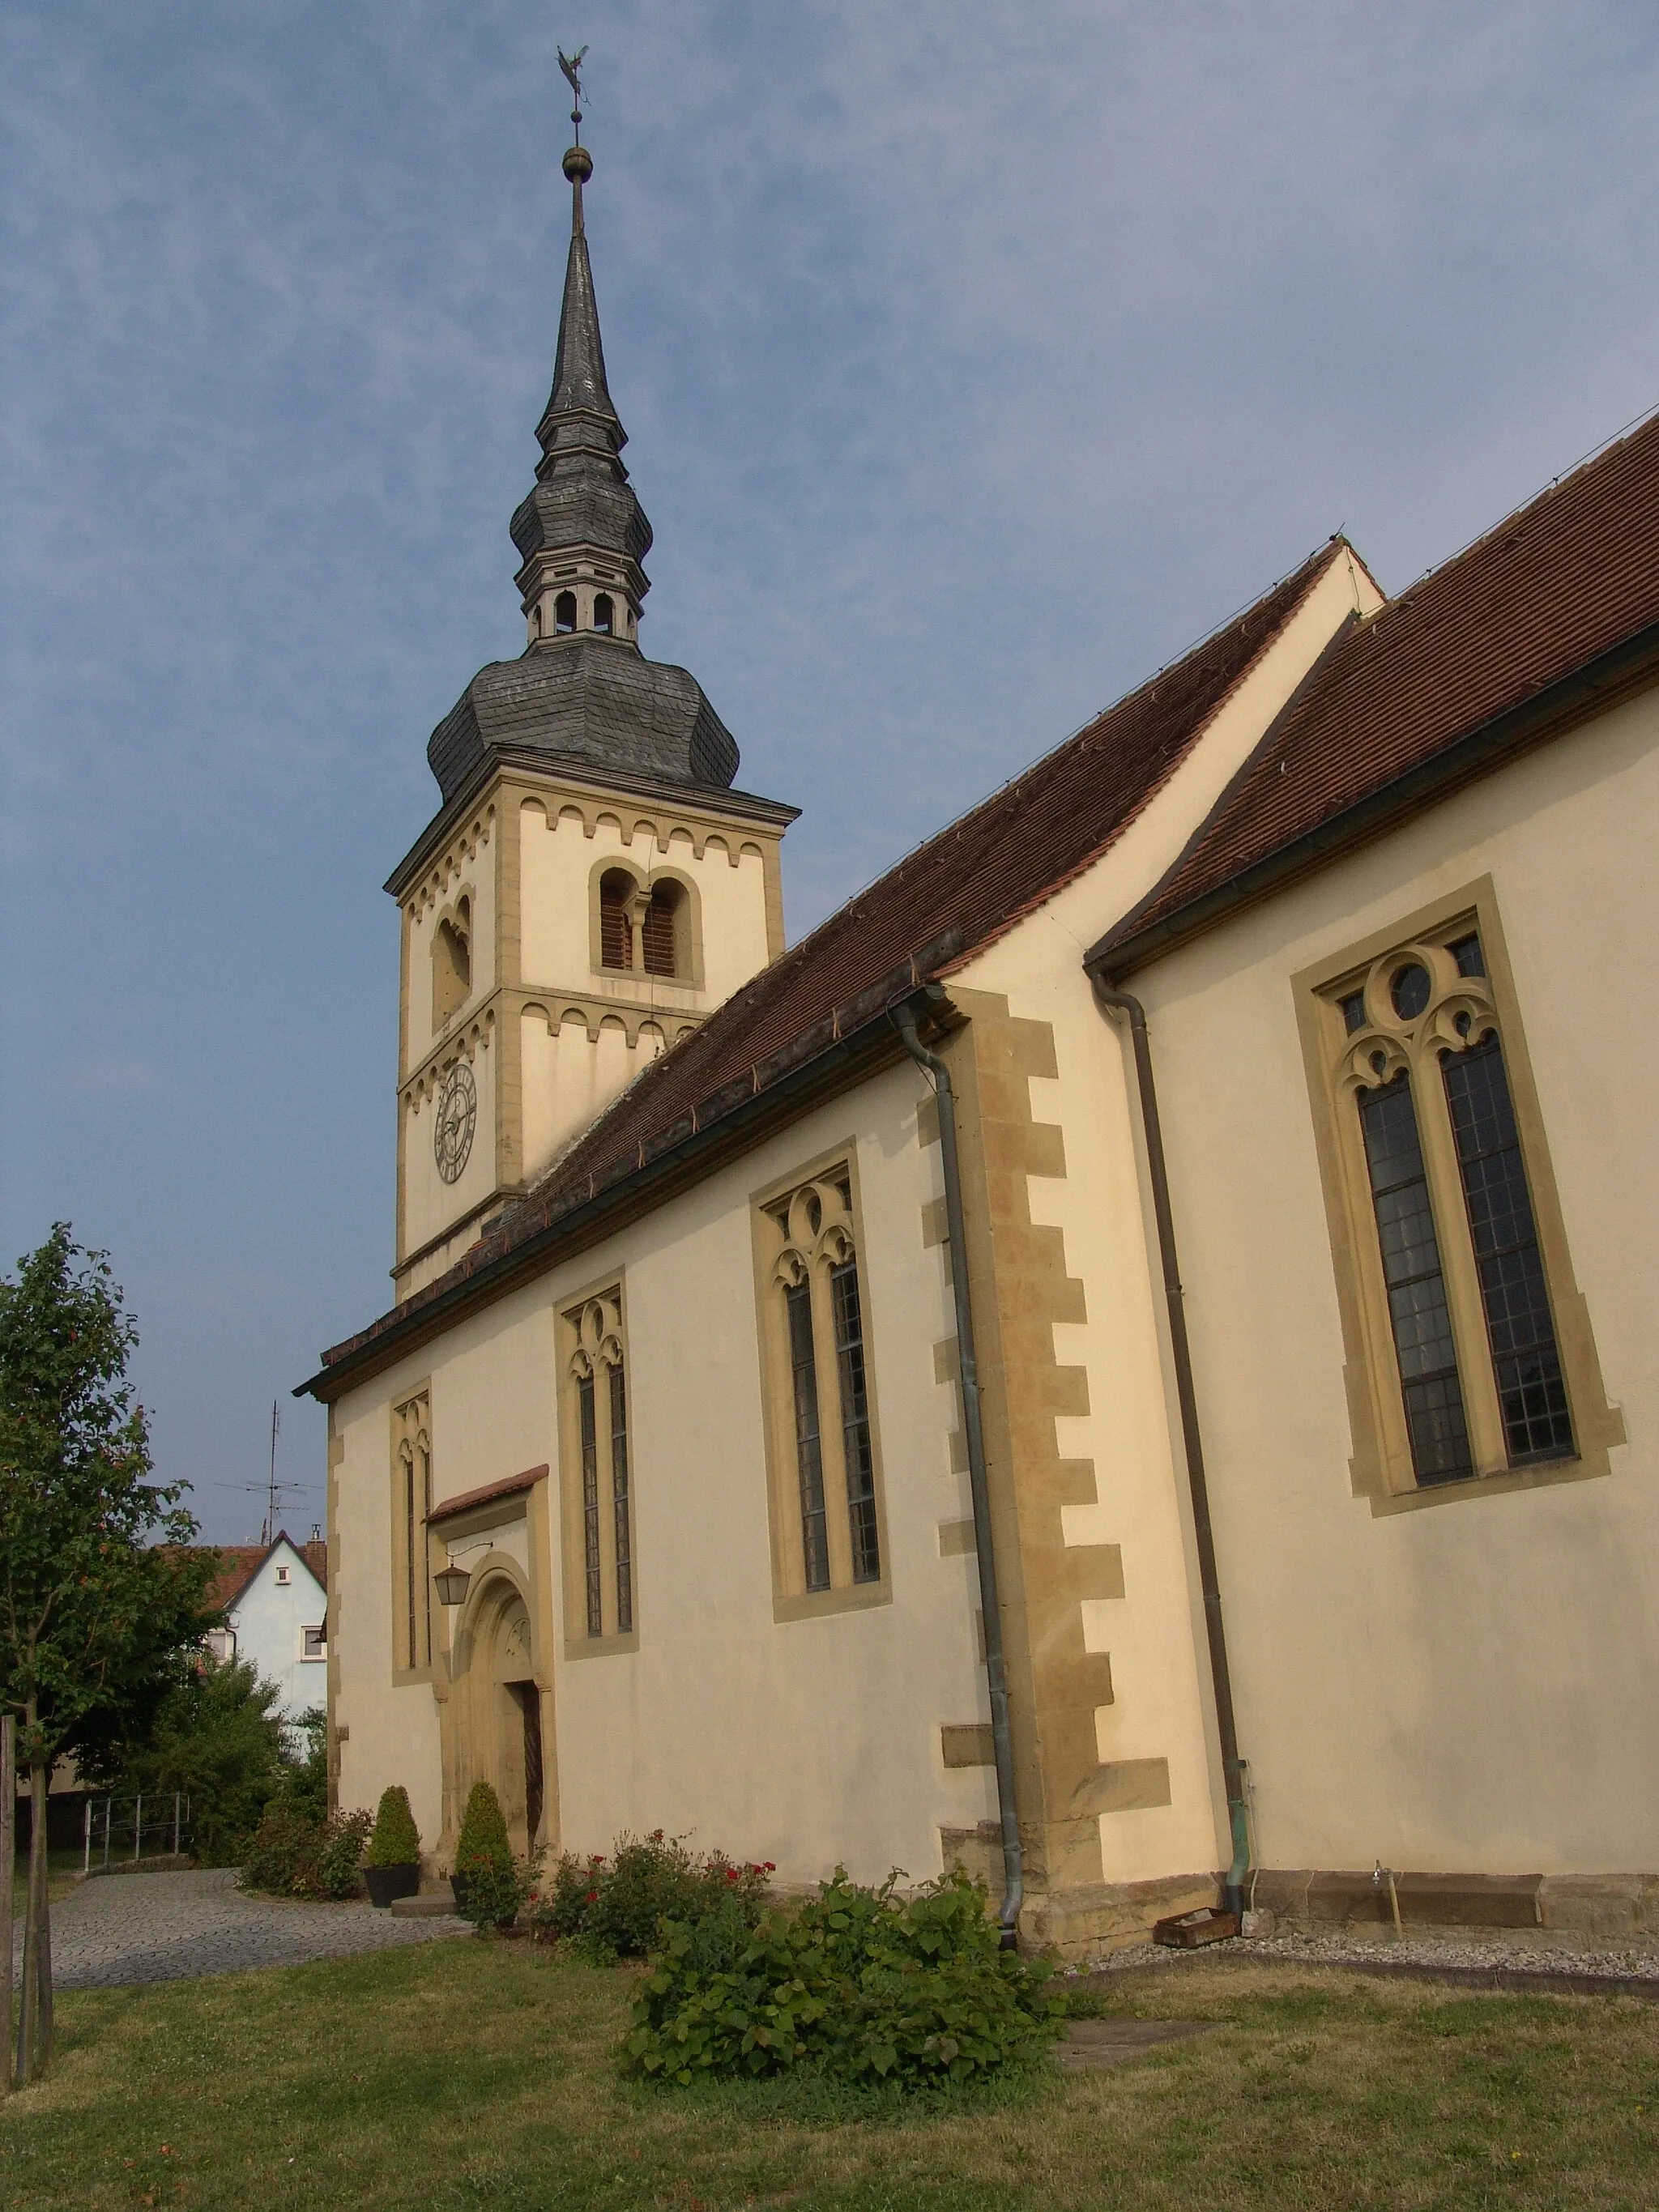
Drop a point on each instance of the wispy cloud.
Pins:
(977, 356)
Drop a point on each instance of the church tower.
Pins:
(592, 886)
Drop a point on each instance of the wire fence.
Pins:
(125, 1831)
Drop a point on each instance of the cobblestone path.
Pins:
(123, 1928)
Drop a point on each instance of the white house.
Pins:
(275, 1598)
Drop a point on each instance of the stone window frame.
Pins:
(790, 1599)
(581, 1338)
(1381, 1466)
(689, 975)
(411, 1453)
(454, 922)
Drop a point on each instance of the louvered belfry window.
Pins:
(617, 890)
(1455, 1257)
(827, 1505)
(598, 1504)
(661, 929)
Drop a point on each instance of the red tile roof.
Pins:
(1566, 579)
(240, 1563)
(957, 891)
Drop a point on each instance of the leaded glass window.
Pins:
(1532, 1397)
(1459, 1271)
(809, 1442)
(599, 1509)
(829, 1519)
(1418, 1308)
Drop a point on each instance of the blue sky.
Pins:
(976, 357)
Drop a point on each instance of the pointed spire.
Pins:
(579, 365)
(582, 532)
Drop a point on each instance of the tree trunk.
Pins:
(39, 1913)
(9, 1876)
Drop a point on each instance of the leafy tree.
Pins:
(218, 1739)
(84, 1584)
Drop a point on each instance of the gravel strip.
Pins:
(1511, 1962)
(122, 1929)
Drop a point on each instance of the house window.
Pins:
(411, 1508)
(827, 1541)
(311, 1644)
(1474, 1360)
(598, 1503)
(283, 1577)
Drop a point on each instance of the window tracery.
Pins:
(598, 1501)
(826, 1495)
(1455, 1255)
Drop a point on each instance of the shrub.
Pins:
(218, 1739)
(396, 1840)
(339, 1854)
(859, 1986)
(492, 1888)
(294, 1855)
(615, 1907)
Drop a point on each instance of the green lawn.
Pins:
(470, 2072)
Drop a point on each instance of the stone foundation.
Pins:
(1620, 1909)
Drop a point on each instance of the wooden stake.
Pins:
(8, 1874)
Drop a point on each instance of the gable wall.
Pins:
(1465, 1686)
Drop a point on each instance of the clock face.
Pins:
(458, 1114)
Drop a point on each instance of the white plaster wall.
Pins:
(1466, 1686)
(805, 1742)
(557, 861)
(270, 1620)
(569, 1076)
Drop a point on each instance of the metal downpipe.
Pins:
(973, 1428)
(1232, 1766)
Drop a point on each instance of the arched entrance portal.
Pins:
(502, 1703)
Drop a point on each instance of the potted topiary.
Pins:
(391, 1864)
(485, 1881)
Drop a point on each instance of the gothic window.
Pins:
(1452, 1263)
(452, 962)
(599, 1506)
(564, 613)
(604, 613)
(411, 1508)
(826, 1505)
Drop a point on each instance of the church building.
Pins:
(1126, 1358)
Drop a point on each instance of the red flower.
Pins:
(731, 1875)
(769, 1867)
(591, 1897)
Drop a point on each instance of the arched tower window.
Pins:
(564, 613)
(665, 930)
(604, 613)
(617, 892)
(451, 962)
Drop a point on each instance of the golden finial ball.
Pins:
(578, 164)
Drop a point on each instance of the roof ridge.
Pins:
(1556, 483)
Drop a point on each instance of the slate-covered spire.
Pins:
(582, 693)
(582, 534)
(579, 365)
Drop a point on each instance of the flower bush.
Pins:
(859, 1985)
(489, 1885)
(615, 1907)
(396, 1840)
(294, 1855)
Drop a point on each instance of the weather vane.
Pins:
(571, 65)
